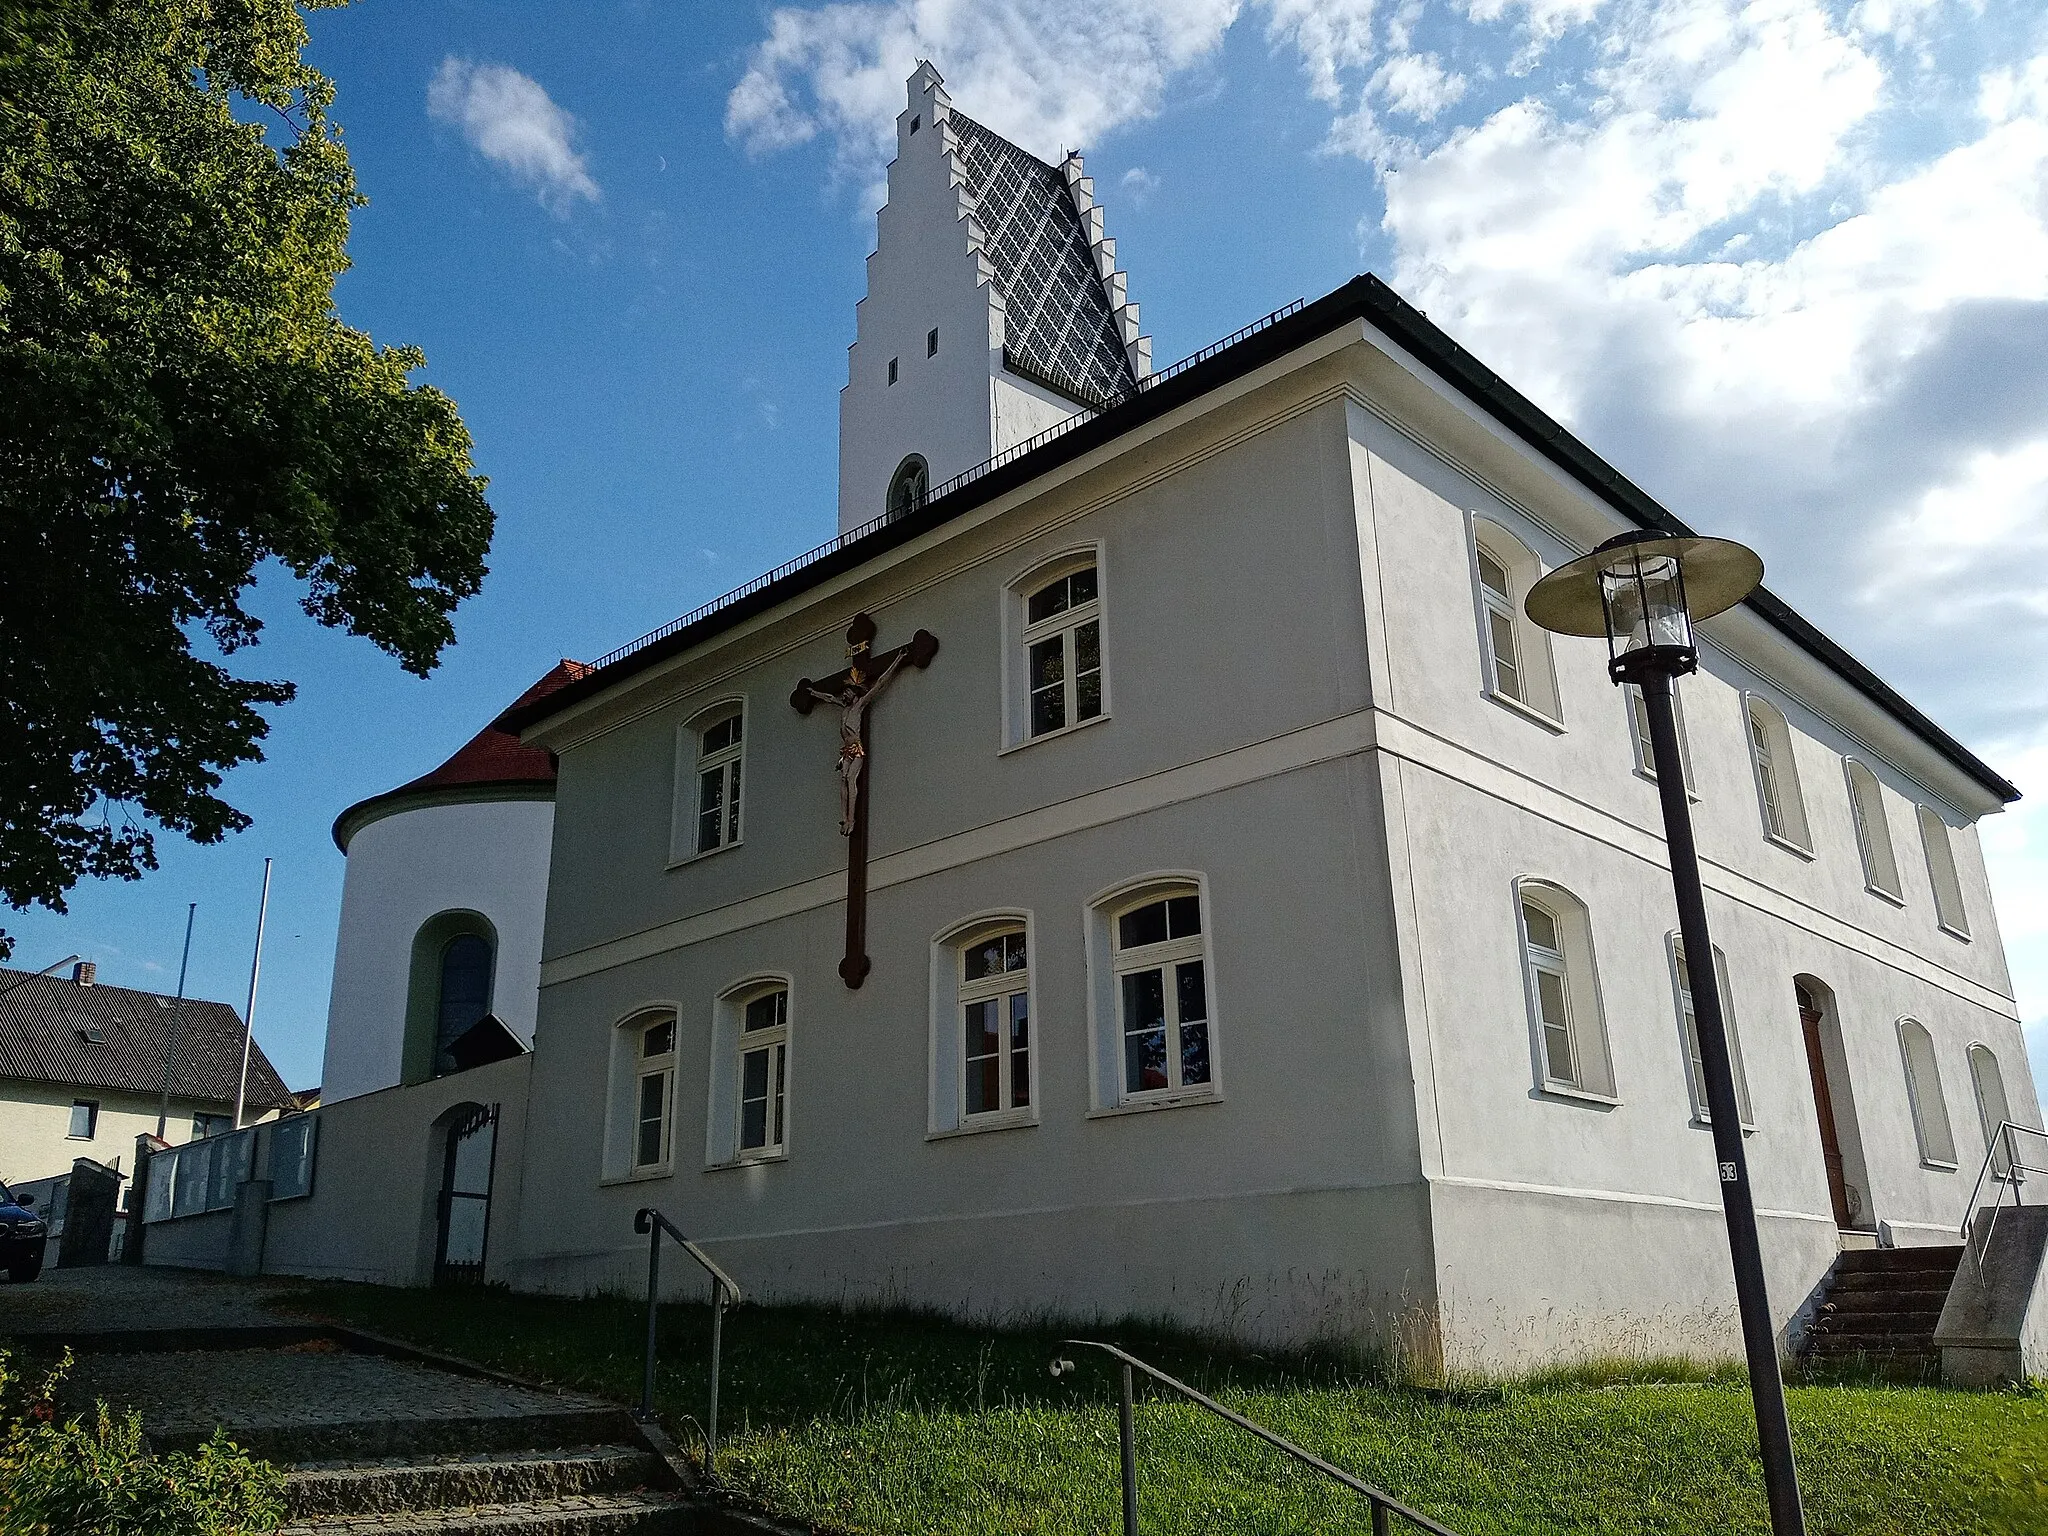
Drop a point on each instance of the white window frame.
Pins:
(1577, 969)
(1535, 671)
(92, 1120)
(950, 994)
(1937, 842)
(658, 1068)
(692, 764)
(1932, 1127)
(1689, 1040)
(1109, 964)
(621, 1147)
(1774, 766)
(731, 1043)
(1020, 635)
(1874, 845)
(1989, 1116)
(1636, 711)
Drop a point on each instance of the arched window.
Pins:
(907, 487)
(1923, 1091)
(1563, 990)
(763, 1071)
(1777, 775)
(995, 1012)
(1639, 727)
(1873, 831)
(1063, 651)
(1992, 1109)
(1156, 1034)
(1941, 871)
(1516, 654)
(453, 968)
(1689, 1028)
(719, 746)
(653, 1043)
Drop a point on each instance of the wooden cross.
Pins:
(851, 691)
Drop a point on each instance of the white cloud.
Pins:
(510, 120)
(1138, 185)
(1417, 85)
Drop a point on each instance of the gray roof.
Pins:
(52, 1030)
(1058, 326)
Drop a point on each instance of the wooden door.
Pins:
(1824, 1106)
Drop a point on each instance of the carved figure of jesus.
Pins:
(852, 700)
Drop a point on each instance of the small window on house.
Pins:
(1515, 653)
(1941, 870)
(908, 486)
(931, 342)
(1695, 1066)
(1873, 831)
(1162, 995)
(1564, 1005)
(995, 1014)
(1992, 1109)
(654, 1091)
(763, 1072)
(1777, 775)
(1063, 652)
(917, 122)
(1639, 730)
(1923, 1092)
(892, 370)
(85, 1119)
(719, 753)
(204, 1125)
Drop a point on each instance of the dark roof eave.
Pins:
(1363, 298)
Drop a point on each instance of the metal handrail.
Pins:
(724, 1292)
(1381, 1502)
(2007, 1134)
(966, 477)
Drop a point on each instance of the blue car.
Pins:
(22, 1236)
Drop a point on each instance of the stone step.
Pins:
(1916, 1324)
(1899, 1260)
(1862, 1303)
(1936, 1281)
(370, 1439)
(501, 1477)
(643, 1514)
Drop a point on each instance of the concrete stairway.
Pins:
(590, 1490)
(1881, 1305)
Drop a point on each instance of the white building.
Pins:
(1269, 927)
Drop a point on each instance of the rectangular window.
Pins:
(1941, 870)
(931, 342)
(1163, 996)
(1063, 652)
(764, 1071)
(718, 783)
(85, 1119)
(892, 370)
(204, 1125)
(995, 1010)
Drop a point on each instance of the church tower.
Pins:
(994, 310)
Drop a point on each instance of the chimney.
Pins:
(85, 973)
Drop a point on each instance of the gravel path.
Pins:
(111, 1298)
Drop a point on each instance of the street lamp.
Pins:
(1643, 591)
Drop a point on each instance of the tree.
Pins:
(180, 404)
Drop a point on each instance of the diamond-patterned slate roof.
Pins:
(1057, 323)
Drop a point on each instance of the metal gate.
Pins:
(466, 1197)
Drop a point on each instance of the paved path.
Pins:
(116, 1298)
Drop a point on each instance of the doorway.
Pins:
(1840, 1145)
(465, 1202)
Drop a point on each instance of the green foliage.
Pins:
(180, 404)
(905, 1423)
(72, 1477)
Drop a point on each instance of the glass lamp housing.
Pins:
(1648, 625)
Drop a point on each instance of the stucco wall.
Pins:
(403, 869)
(35, 1120)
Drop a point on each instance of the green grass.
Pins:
(901, 1423)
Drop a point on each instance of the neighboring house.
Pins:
(83, 1072)
(1269, 927)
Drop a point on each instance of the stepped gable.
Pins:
(494, 758)
(1066, 320)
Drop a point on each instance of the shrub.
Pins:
(74, 1477)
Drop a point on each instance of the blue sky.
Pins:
(1785, 262)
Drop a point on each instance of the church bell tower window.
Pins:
(907, 487)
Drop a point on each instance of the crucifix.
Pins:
(850, 692)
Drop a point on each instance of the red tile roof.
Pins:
(493, 758)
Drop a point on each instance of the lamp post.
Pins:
(1643, 592)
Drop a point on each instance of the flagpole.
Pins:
(249, 1013)
(163, 1113)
